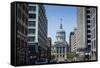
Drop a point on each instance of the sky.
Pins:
(54, 15)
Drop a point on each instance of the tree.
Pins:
(71, 55)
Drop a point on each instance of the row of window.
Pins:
(42, 35)
(94, 44)
(88, 36)
(88, 26)
(87, 11)
(88, 16)
(32, 8)
(22, 16)
(93, 11)
(31, 31)
(24, 6)
(42, 24)
(32, 16)
(89, 41)
(21, 43)
(93, 34)
(93, 22)
(91, 26)
(31, 39)
(32, 23)
(21, 28)
(32, 50)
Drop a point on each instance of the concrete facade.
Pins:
(73, 45)
(21, 37)
(37, 32)
(86, 25)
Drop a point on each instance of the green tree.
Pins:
(71, 55)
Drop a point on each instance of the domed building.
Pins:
(60, 45)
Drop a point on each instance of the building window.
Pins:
(57, 50)
(32, 16)
(88, 31)
(31, 38)
(32, 8)
(63, 50)
(63, 56)
(31, 31)
(87, 11)
(88, 36)
(88, 21)
(88, 16)
(19, 13)
(89, 46)
(88, 41)
(18, 43)
(88, 26)
(32, 23)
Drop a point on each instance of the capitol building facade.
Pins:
(59, 48)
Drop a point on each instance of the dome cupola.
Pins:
(60, 34)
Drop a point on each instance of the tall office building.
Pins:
(81, 33)
(80, 28)
(21, 34)
(94, 32)
(86, 35)
(37, 32)
(91, 31)
(72, 41)
(60, 45)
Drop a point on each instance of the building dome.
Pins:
(61, 34)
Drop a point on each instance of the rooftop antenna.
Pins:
(61, 27)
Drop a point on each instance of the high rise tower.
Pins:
(37, 32)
